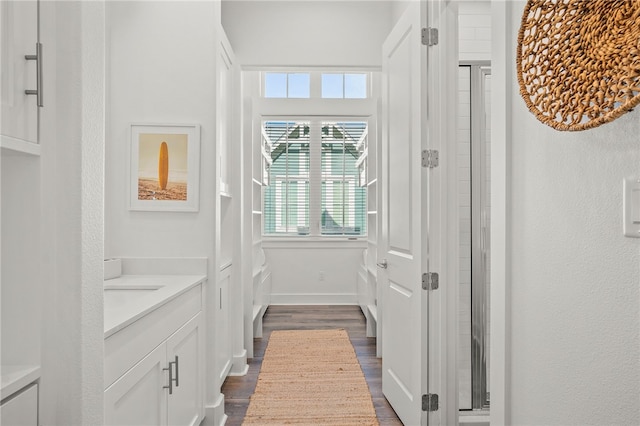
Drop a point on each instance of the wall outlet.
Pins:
(321, 276)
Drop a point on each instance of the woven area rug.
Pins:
(310, 377)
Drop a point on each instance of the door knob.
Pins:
(382, 264)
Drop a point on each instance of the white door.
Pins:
(18, 37)
(403, 208)
(185, 350)
(139, 397)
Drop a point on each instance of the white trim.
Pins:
(500, 216)
(314, 299)
(312, 68)
(19, 146)
(304, 109)
(239, 366)
(313, 243)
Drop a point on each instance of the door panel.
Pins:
(402, 204)
(18, 37)
(399, 122)
(186, 402)
(138, 396)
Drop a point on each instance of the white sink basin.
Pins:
(121, 294)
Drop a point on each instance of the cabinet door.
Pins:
(186, 348)
(138, 397)
(21, 410)
(18, 35)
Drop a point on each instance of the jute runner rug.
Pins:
(310, 377)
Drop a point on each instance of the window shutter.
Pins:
(286, 196)
(316, 178)
(343, 207)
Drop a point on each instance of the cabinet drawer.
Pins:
(129, 345)
(22, 408)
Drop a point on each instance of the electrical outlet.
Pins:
(321, 276)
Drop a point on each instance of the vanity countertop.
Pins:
(15, 377)
(130, 297)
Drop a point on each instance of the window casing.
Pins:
(314, 177)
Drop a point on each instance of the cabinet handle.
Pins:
(170, 386)
(38, 58)
(177, 371)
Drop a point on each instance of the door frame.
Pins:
(502, 66)
(442, 228)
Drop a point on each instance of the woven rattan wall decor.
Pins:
(578, 61)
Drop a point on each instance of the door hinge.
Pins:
(430, 402)
(429, 36)
(430, 281)
(430, 158)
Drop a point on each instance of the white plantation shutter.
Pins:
(315, 173)
(286, 197)
(343, 198)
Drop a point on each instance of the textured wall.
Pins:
(72, 124)
(575, 318)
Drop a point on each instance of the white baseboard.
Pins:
(314, 299)
(214, 414)
(239, 366)
(474, 418)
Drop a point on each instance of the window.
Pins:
(349, 86)
(286, 197)
(315, 182)
(314, 85)
(286, 85)
(343, 198)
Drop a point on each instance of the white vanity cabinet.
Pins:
(154, 367)
(21, 409)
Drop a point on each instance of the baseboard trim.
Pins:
(214, 414)
(239, 366)
(314, 299)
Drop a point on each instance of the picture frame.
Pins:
(165, 167)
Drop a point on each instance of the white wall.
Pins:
(307, 33)
(161, 70)
(296, 273)
(575, 279)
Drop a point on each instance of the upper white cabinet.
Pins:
(19, 40)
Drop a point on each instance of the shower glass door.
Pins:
(474, 149)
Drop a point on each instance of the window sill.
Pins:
(314, 242)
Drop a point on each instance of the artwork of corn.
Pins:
(163, 166)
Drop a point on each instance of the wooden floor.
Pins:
(238, 390)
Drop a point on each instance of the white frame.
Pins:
(501, 69)
(315, 232)
(191, 204)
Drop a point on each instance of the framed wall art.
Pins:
(165, 167)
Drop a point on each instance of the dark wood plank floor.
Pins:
(238, 390)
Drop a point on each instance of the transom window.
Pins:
(286, 85)
(325, 85)
(315, 177)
